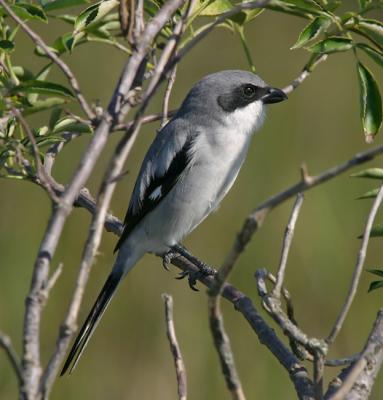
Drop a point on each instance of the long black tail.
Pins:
(91, 322)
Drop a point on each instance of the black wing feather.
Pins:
(166, 182)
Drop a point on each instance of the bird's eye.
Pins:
(249, 90)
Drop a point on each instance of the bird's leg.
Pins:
(204, 269)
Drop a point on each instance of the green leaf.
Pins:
(69, 124)
(332, 44)
(333, 5)
(42, 87)
(41, 76)
(378, 272)
(22, 73)
(375, 285)
(371, 194)
(69, 19)
(301, 8)
(371, 103)
(50, 5)
(29, 11)
(246, 16)
(376, 55)
(6, 45)
(215, 7)
(49, 140)
(42, 105)
(377, 231)
(42, 131)
(40, 52)
(93, 14)
(54, 118)
(311, 31)
(364, 3)
(374, 173)
(371, 28)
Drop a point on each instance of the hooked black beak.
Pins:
(273, 95)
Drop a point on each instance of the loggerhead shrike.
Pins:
(187, 171)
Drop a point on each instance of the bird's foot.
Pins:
(193, 277)
(168, 257)
(204, 270)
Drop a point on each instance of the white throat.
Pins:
(249, 119)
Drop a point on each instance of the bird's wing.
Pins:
(165, 161)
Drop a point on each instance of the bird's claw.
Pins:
(167, 259)
(182, 275)
(193, 277)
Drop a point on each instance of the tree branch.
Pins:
(223, 347)
(273, 306)
(289, 233)
(175, 348)
(168, 91)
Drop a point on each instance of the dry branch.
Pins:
(356, 381)
(289, 233)
(175, 348)
(358, 268)
(223, 347)
(258, 215)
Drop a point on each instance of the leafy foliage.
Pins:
(326, 31)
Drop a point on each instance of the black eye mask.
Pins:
(241, 96)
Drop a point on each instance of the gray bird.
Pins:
(187, 171)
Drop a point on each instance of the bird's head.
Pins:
(234, 96)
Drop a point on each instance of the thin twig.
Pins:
(147, 119)
(289, 233)
(340, 362)
(223, 347)
(259, 214)
(358, 268)
(54, 57)
(250, 5)
(175, 348)
(54, 150)
(168, 55)
(53, 279)
(307, 70)
(273, 306)
(357, 380)
(41, 174)
(168, 91)
(318, 375)
(6, 344)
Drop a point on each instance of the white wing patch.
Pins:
(156, 193)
